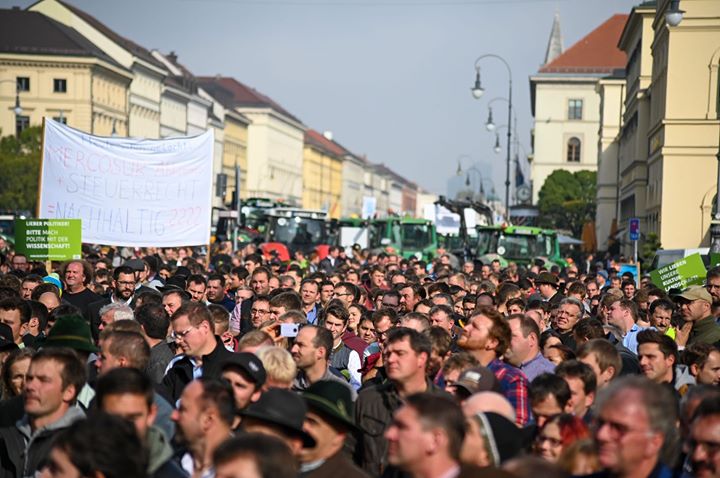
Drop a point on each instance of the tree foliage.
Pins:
(20, 166)
(567, 200)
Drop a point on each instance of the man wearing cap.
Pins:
(246, 374)
(474, 380)
(695, 306)
(141, 272)
(547, 285)
(329, 420)
(279, 413)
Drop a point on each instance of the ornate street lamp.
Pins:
(477, 91)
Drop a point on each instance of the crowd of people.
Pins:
(166, 363)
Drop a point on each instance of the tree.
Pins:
(20, 166)
(567, 200)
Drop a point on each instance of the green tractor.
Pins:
(520, 244)
(410, 237)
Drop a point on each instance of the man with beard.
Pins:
(123, 292)
(487, 337)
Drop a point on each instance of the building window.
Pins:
(575, 109)
(60, 119)
(21, 123)
(23, 83)
(573, 150)
(60, 85)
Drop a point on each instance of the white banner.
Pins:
(127, 191)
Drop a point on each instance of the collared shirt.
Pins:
(630, 340)
(514, 385)
(536, 366)
(187, 462)
(312, 315)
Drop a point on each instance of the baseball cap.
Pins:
(248, 363)
(477, 379)
(696, 292)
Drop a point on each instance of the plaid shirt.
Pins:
(514, 385)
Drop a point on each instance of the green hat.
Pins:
(333, 400)
(72, 332)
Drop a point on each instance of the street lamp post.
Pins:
(477, 91)
(490, 124)
(17, 109)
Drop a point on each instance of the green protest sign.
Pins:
(714, 259)
(49, 239)
(680, 274)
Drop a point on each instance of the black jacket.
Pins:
(373, 414)
(181, 372)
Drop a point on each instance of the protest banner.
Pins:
(680, 274)
(49, 239)
(128, 191)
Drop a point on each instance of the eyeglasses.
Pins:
(127, 283)
(181, 335)
(383, 333)
(259, 312)
(340, 294)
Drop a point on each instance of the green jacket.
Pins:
(705, 331)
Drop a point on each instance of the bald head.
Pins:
(488, 402)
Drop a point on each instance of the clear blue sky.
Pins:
(390, 78)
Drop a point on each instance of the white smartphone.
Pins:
(289, 330)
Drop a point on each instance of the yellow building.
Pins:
(60, 75)
(565, 102)
(683, 124)
(670, 129)
(148, 73)
(322, 173)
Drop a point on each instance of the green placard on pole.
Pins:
(49, 239)
(680, 274)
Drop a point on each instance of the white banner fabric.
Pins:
(128, 191)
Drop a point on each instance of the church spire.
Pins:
(555, 43)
